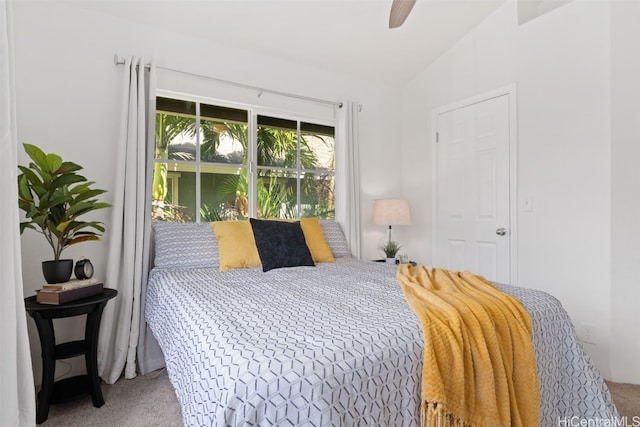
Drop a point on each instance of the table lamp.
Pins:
(391, 212)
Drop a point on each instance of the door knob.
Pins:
(501, 231)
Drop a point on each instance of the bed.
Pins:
(330, 345)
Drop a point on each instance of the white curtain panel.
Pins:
(18, 404)
(352, 111)
(128, 230)
(150, 357)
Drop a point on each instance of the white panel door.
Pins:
(472, 180)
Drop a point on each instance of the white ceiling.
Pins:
(344, 36)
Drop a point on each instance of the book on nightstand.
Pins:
(72, 290)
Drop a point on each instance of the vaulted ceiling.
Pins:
(344, 36)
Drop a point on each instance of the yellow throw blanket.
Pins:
(479, 365)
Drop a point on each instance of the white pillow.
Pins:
(185, 244)
(335, 238)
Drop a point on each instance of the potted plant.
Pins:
(390, 250)
(53, 197)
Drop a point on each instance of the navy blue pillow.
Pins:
(280, 244)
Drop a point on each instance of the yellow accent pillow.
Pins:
(237, 246)
(320, 250)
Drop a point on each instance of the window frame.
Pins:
(173, 179)
(253, 112)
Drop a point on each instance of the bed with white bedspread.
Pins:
(330, 345)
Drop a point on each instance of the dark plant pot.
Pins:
(57, 271)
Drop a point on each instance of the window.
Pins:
(173, 190)
(214, 162)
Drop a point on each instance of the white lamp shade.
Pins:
(391, 212)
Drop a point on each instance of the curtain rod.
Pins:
(117, 60)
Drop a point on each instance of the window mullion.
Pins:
(252, 173)
(299, 170)
(198, 177)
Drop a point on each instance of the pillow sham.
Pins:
(237, 246)
(184, 244)
(280, 244)
(313, 234)
(335, 238)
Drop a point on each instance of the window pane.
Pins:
(224, 193)
(223, 142)
(277, 194)
(178, 106)
(175, 129)
(175, 137)
(277, 142)
(224, 135)
(317, 150)
(317, 197)
(173, 194)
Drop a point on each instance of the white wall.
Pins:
(625, 192)
(68, 93)
(560, 64)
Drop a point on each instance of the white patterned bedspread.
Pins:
(331, 345)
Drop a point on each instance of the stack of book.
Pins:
(72, 290)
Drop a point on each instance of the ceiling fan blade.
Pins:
(399, 11)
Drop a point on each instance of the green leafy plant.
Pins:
(391, 248)
(209, 213)
(53, 197)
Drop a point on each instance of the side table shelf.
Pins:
(70, 349)
(68, 388)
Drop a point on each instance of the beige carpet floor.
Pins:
(627, 400)
(149, 400)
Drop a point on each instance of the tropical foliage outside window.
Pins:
(207, 165)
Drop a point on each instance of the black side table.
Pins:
(68, 388)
